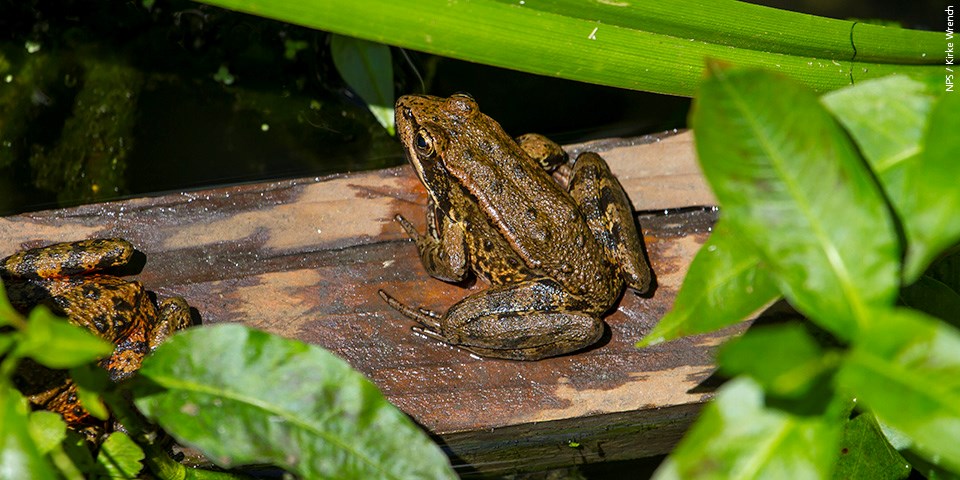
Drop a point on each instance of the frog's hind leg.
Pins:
(607, 211)
(529, 320)
(69, 258)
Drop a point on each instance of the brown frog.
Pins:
(556, 253)
(71, 279)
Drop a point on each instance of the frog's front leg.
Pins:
(607, 211)
(443, 250)
(529, 320)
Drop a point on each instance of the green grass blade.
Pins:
(644, 49)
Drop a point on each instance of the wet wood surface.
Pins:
(304, 259)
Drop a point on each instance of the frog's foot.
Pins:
(428, 318)
(174, 316)
(547, 153)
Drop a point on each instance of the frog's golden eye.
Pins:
(424, 142)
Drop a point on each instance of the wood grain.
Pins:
(304, 259)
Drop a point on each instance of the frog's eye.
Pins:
(423, 142)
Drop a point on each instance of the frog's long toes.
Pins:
(429, 333)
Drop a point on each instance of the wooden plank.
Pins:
(304, 259)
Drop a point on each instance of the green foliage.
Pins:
(737, 436)
(240, 395)
(838, 235)
(368, 69)
(654, 46)
(243, 396)
(120, 457)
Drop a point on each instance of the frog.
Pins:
(75, 280)
(556, 243)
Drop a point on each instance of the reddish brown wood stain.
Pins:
(304, 259)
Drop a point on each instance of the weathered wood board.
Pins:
(304, 259)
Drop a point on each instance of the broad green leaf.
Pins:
(91, 381)
(724, 284)
(8, 316)
(243, 396)
(47, 429)
(866, 454)
(20, 458)
(904, 130)
(886, 117)
(368, 69)
(905, 368)
(933, 297)
(55, 343)
(653, 46)
(929, 210)
(792, 185)
(784, 359)
(120, 457)
(738, 437)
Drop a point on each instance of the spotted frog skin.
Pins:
(71, 279)
(557, 254)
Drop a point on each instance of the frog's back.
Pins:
(539, 220)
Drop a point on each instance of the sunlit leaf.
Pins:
(368, 69)
(120, 457)
(792, 185)
(866, 454)
(653, 46)
(784, 359)
(20, 457)
(54, 343)
(929, 210)
(738, 437)
(724, 284)
(904, 130)
(243, 396)
(91, 381)
(47, 430)
(905, 368)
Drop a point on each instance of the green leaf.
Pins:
(907, 134)
(866, 454)
(792, 185)
(47, 429)
(8, 315)
(724, 284)
(120, 457)
(20, 458)
(368, 69)
(886, 117)
(243, 396)
(933, 297)
(91, 381)
(736, 436)
(905, 368)
(929, 210)
(55, 343)
(653, 46)
(792, 359)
